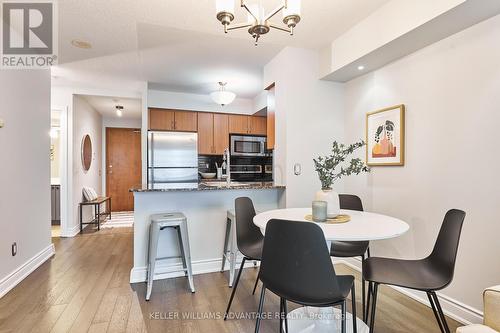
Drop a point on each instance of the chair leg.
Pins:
(367, 309)
(343, 324)
(354, 317)
(256, 282)
(285, 309)
(374, 307)
(181, 248)
(259, 311)
(363, 289)
(226, 242)
(433, 306)
(281, 315)
(441, 313)
(234, 287)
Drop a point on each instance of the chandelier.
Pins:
(222, 96)
(258, 23)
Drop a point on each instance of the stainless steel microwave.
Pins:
(242, 145)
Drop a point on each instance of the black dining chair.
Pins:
(341, 249)
(429, 275)
(296, 266)
(249, 239)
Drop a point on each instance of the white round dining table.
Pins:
(363, 226)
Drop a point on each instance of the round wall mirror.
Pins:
(86, 152)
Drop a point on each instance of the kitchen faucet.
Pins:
(227, 159)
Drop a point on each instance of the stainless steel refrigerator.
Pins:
(172, 160)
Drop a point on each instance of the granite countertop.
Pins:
(207, 186)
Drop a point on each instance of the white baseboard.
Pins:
(454, 309)
(171, 270)
(71, 232)
(14, 278)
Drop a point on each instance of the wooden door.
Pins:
(238, 124)
(161, 120)
(221, 133)
(123, 166)
(205, 133)
(186, 121)
(258, 125)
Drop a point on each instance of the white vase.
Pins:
(332, 199)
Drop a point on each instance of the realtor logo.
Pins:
(28, 34)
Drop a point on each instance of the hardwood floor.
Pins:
(85, 288)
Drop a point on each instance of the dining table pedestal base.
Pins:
(318, 320)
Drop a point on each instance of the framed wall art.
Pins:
(385, 137)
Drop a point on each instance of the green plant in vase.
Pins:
(333, 167)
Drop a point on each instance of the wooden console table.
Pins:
(98, 215)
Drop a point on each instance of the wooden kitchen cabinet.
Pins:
(172, 120)
(213, 133)
(241, 124)
(161, 120)
(205, 133)
(238, 124)
(186, 121)
(221, 133)
(258, 125)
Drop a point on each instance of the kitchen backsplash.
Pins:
(206, 163)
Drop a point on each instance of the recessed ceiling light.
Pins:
(81, 44)
(119, 110)
(361, 67)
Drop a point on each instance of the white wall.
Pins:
(25, 174)
(309, 117)
(451, 90)
(86, 120)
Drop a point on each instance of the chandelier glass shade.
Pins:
(258, 23)
(222, 96)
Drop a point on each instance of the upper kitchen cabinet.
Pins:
(213, 133)
(238, 124)
(161, 120)
(258, 125)
(172, 120)
(186, 121)
(221, 133)
(206, 133)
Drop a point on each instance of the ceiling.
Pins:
(179, 45)
(106, 106)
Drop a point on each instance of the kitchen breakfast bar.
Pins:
(205, 207)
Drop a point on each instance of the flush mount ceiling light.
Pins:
(119, 110)
(81, 44)
(361, 67)
(223, 97)
(258, 23)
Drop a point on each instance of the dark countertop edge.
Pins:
(201, 187)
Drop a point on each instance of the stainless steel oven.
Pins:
(242, 145)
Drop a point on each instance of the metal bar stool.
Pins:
(230, 251)
(161, 222)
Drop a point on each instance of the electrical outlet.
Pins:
(14, 249)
